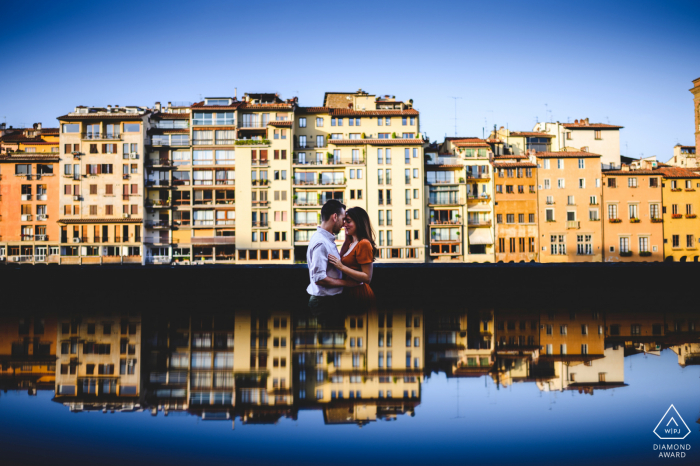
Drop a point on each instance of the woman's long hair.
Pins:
(363, 227)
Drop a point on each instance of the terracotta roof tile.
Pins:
(280, 123)
(103, 116)
(677, 172)
(172, 116)
(275, 106)
(303, 110)
(29, 156)
(354, 112)
(515, 165)
(566, 154)
(631, 172)
(510, 157)
(470, 142)
(50, 130)
(99, 220)
(378, 142)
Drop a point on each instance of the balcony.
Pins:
(158, 224)
(158, 203)
(204, 223)
(479, 223)
(309, 145)
(260, 163)
(309, 204)
(255, 124)
(452, 200)
(262, 224)
(310, 183)
(478, 176)
(101, 137)
(213, 240)
(573, 225)
(264, 203)
(26, 197)
(225, 222)
(157, 183)
(456, 222)
(26, 238)
(159, 163)
(478, 197)
(27, 217)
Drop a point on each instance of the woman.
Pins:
(357, 255)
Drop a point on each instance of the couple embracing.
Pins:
(341, 279)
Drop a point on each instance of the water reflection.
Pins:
(261, 366)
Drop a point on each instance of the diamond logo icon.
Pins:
(671, 426)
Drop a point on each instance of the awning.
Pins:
(480, 236)
(480, 208)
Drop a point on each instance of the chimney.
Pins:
(35, 125)
(116, 106)
(157, 106)
(235, 93)
(588, 121)
(170, 104)
(576, 122)
(2, 125)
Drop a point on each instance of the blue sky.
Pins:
(627, 63)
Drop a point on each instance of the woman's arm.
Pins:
(363, 276)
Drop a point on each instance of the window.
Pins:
(631, 182)
(302, 122)
(558, 245)
(689, 241)
(633, 211)
(653, 182)
(624, 244)
(560, 183)
(546, 184)
(643, 244)
(581, 183)
(584, 245)
(560, 164)
(676, 241)
(612, 211)
(549, 215)
(581, 163)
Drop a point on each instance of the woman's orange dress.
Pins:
(361, 254)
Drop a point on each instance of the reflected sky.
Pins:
(482, 386)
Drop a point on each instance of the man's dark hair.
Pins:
(332, 206)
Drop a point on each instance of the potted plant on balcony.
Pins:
(393, 135)
(363, 136)
(625, 253)
(645, 253)
(615, 220)
(320, 179)
(458, 217)
(634, 220)
(461, 180)
(690, 215)
(657, 220)
(676, 216)
(329, 158)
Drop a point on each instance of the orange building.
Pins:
(633, 228)
(516, 209)
(27, 352)
(569, 193)
(29, 186)
(696, 101)
(34, 139)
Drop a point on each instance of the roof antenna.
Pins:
(455, 113)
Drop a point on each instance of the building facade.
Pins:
(102, 184)
(632, 225)
(569, 194)
(598, 138)
(681, 204)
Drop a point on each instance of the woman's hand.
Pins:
(335, 261)
(348, 240)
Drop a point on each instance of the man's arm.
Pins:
(318, 266)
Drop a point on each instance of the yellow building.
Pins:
(569, 192)
(681, 204)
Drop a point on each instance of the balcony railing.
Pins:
(264, 203)
(255, 124)
(101, 136)
(573, 225)
(161, 162)
(309, 145)
(478, 176)
(158, 203)
(262, 224)
(158, 224)
(446, 222)
(452, 200)
(478, 197)
(203, 223)
(318, 183)
(479, 223)
(155, 183)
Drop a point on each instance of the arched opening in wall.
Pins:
(695, 258)
(522, 262)
(684, 258)
(511, 262)
(669, 259)
(532, 261)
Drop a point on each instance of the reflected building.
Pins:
(97, 364)
(27, 352)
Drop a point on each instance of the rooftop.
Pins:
(566, 154)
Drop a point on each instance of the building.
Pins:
(365, 151)
(520, 142)
(102, 184)
(632, 203)
(696, 106)
(29, 207)
(598, 138)
(27, 352)
(98, 363)
(569, 196)
(459, 182)
(684, 157)
(681, 204)
(515, 206)
(168, 199)
(30, 140)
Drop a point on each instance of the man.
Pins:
(326, 280)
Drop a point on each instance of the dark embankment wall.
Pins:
(222, 288)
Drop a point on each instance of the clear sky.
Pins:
(629, 63)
